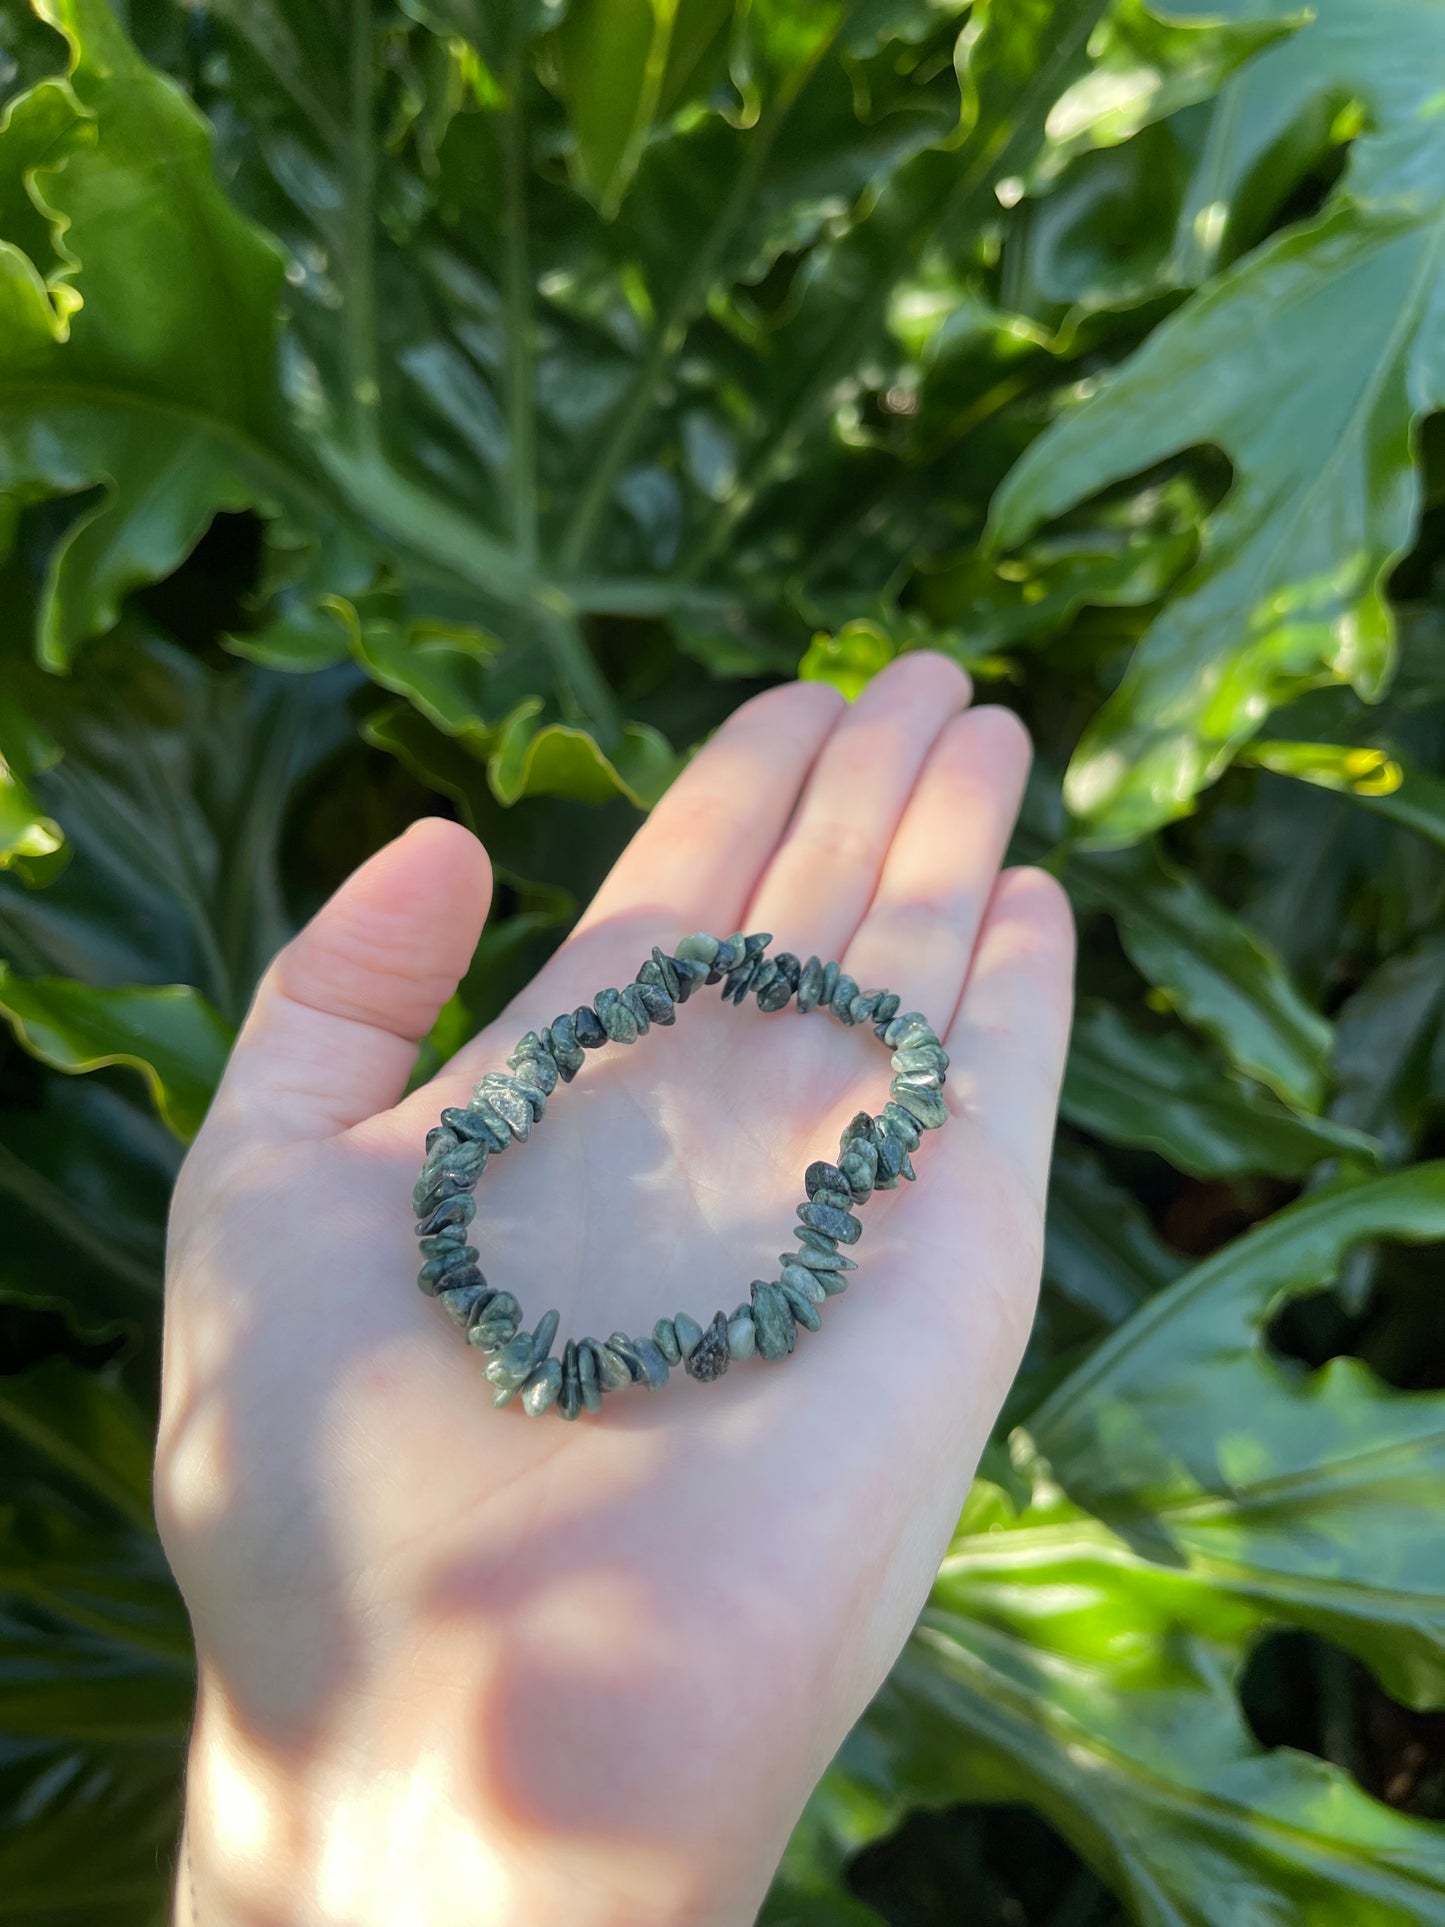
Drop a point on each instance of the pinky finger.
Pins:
(1010, 1033)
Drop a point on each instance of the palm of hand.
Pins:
(619, 1651)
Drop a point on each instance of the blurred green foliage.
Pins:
(421, 404)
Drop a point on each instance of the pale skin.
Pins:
(459, 1665)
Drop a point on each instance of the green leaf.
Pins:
(1387, 1037)
(621, 62)
(1189, 1493)
(157, 386)
(1129, 1086)
(1101, 1252)
(1289, 588)
(31, 843)
(171, 1035)
(850, 660)
(87, 1429)
(85, 1177)
(1379, 780)
(171, 781)
(1212, 969)
(555, 759)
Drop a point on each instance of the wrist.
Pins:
(354, 1836)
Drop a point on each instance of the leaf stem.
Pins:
(669, 336)
(996, 154)
(363, 392)
(521, 321)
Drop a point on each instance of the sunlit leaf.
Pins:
(171, 1035)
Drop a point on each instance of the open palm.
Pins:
(460, 1664)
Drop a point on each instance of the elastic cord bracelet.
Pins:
(873, 1154)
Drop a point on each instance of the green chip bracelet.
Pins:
(873, 1155)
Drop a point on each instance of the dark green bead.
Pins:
(504, 1394)
(816, 1260)
(700, 947)
(449, 1238)
(861, 1010)
(843, 995)
(891, 1154)
(588, 1383)
(569, 1397)
(533, 1064)
(730, 953)
(543, 1336)
(810, 1283)
(709, 1357)
(657, 1004)
(654, 1365)
(815, 1240)
(804, 1311)
(614, 1372)
(904, 1021)
(831, 973)
(775, 997)
(458, 1210)
(499, 1126)
(616, 1019)
(564, 1035)
(737, 982)
(906, 1170)
(664, 1336)
(534, 1095)
(773, 1321)
(887, 1010)
(588, 1026)
(765, 976)
(631, 1000)
(481, 1126)
(810, 982)
(429, 1280)
(822, 1176)
(436, 1135)
(450, 1256)
(742, 1334)
(921, 1057)
(426, 1199)
(668, 978)
(859, 1167)
(691, 976)
(626, 1350)
(757, 943)
(513, 1362)
(832, 1222)
(465, 1300)
(902, 1124)
(539, 1392)
(840, 1200)
(916, 1081)
(536, 1080)
(928, 1107)
(688, 1333)
(495, 1323)
(503, 1096)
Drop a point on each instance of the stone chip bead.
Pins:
(708, 1358)
(874, 1154)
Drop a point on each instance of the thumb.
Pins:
(333, 1029)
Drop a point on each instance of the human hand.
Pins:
(458, 1665)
